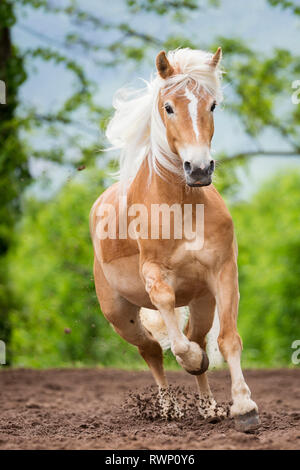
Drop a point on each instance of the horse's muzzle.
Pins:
(196, 176)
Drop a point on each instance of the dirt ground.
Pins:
(99, 409)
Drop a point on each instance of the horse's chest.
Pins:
(188, 271)
(195, 261)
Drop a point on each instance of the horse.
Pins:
(164, 133)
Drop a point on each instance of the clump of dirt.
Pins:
(150, 404)
(171, 404)
(212, 411)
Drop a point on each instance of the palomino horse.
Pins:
(164, 133)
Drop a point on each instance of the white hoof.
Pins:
(243, 406)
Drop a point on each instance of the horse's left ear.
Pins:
(163, 66)
(216, 58)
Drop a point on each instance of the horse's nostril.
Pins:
(212, 165)
(187, 166)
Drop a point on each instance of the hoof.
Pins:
(247, 422)
(204, 365)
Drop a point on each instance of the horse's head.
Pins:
(187, 113)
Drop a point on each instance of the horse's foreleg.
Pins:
(244, 410)
(188, 353)
(202, 311)
(200, 321)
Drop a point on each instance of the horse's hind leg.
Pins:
(125, 319)
(202, 311)
(127, 323)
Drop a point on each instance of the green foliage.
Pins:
(269, 271)
(225, 177)
(286, 5)
(262, 89)
(163, 7)
(13, 159)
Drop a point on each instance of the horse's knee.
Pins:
(161, 295)
(160, 292)
(229, 343)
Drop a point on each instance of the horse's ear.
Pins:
(163, 66)
(216, 58)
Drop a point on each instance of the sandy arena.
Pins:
(98, 409)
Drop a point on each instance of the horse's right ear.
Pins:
(163, 66)
(216, 58)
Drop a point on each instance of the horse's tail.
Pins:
(212, 348)
(153, 322)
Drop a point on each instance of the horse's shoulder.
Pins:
(110, 248)
(106, 196)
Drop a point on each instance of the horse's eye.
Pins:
(213, 106)
(169, 109)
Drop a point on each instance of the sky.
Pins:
(262, 26)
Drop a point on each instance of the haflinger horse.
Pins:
(164, 133)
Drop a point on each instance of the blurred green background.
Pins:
(61, 61)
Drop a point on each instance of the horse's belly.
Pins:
(123, 276)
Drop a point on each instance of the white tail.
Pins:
(153, 322)
(212, 349)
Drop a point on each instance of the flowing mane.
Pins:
(137, 130)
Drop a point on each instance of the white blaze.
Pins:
(193, 110)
